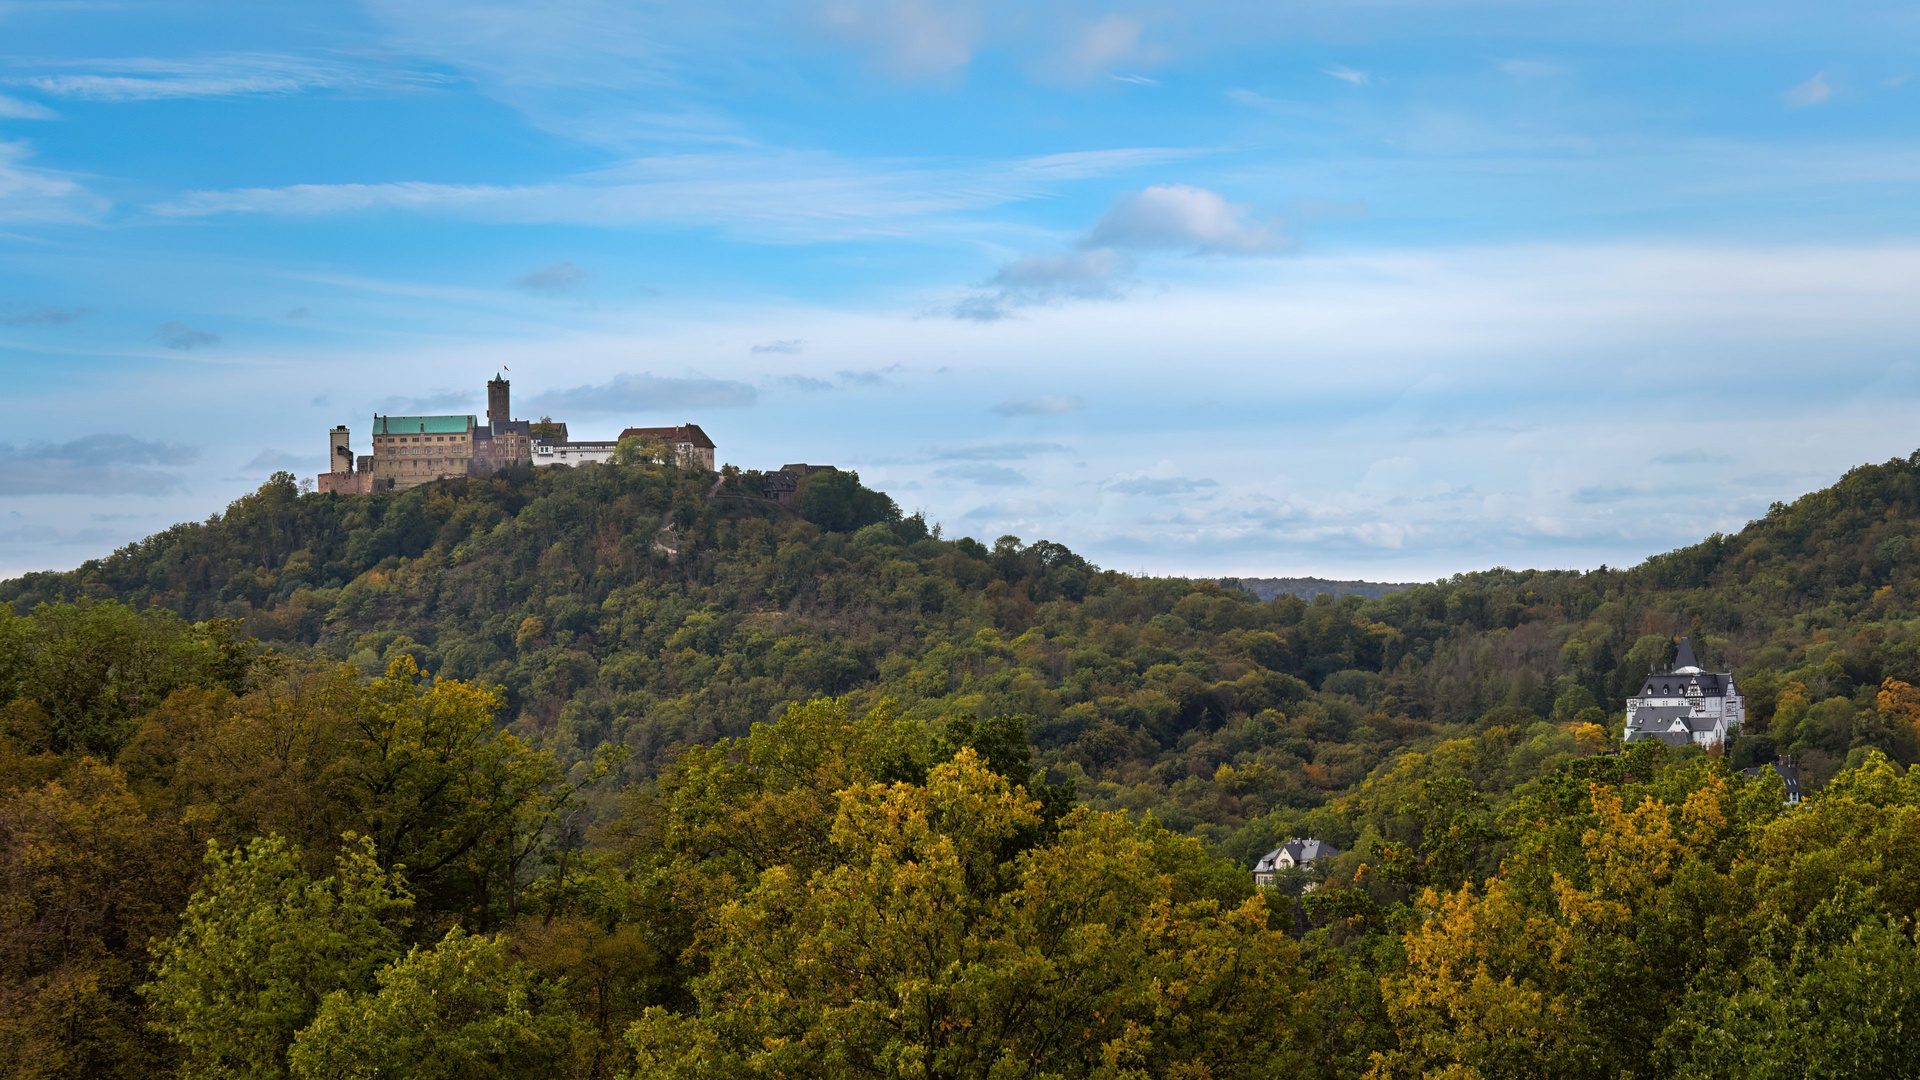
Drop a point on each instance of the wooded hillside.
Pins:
(486, 797)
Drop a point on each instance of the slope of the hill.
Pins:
(652, 608)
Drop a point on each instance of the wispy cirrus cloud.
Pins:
(34, 195)
(779, 195)
(1812, 92)
(236, 75)
(13, 108)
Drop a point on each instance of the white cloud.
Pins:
(1046, 406)
(175, 334)
(271, 460)
(1812, 92)
(553, 278)
(12, 108)
(775, 195)
(437, 403)
(93, 465)
(785, 346)
(645, 392)
(29, 193)
(984, 475)
(1094, 48)
(1041, 280)
(1349, 75)
(238, 75)
(909, 39)
(1160, 486)
(12, 314)
(1180, 216)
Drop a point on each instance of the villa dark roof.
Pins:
(1656, 722)
(1666, 684)
(1789, 775)
(1685, 659)
(1300, 851)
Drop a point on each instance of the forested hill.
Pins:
(650, 608)
(219, 860)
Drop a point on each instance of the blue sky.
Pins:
(1383, 290)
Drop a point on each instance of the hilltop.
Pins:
(645, 606)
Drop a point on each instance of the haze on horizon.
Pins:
(1382, 291)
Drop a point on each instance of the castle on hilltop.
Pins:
(412, 450)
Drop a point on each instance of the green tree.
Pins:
(835, 500)
(261, 944)
(458, 1011)
(923, 951)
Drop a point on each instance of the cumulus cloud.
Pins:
(1161, 485)
(908, 39)
(1034, 280)
(553, 279)
(1181, 216)
(1046, 406)
(645, 391)
(984, 475)
(37, 314)
(789, 347)
(175, 334)
(1812, 92)
(12, 108)
(93, 465)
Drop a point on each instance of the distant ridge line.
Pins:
(1307, 588)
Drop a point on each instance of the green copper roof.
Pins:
(421, 425)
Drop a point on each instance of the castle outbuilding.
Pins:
(1687, 706)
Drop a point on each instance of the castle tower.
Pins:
(339, 450)
(499, 410)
